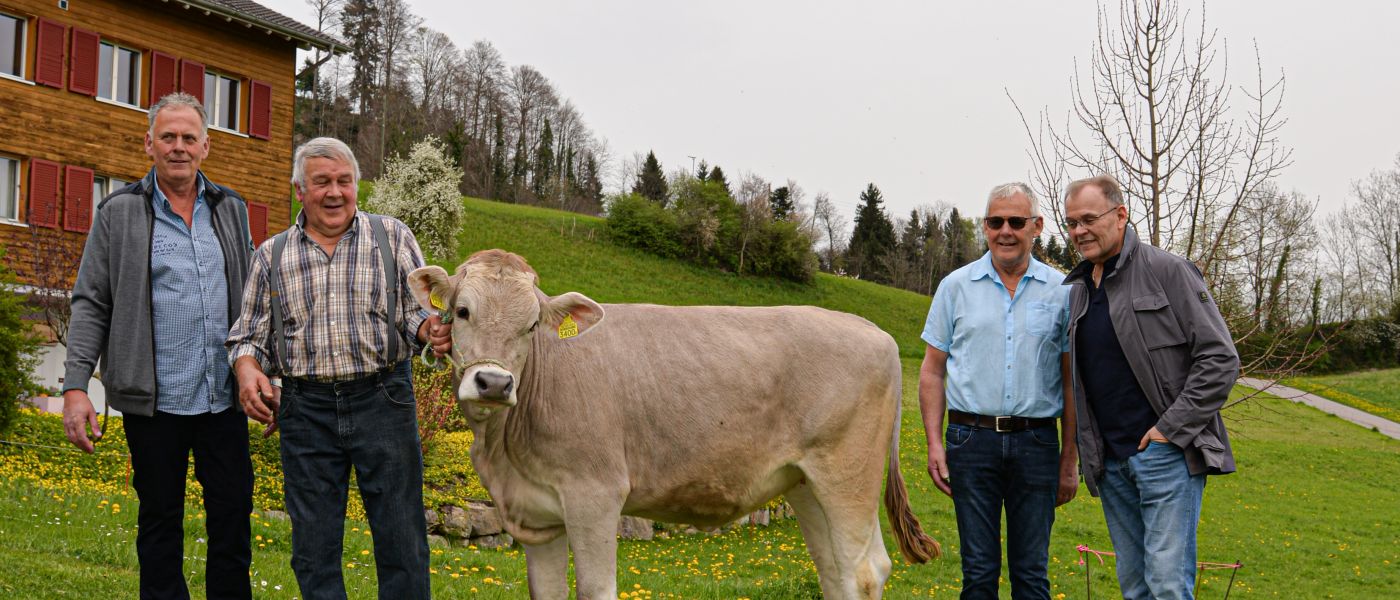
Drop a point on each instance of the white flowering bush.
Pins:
(421, 191)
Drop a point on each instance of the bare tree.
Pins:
(327, 15)
(53, 259)
(754, 211)
(1154, 110)
(397, 23)
(832, 226)
(1373, 223)
(433, 58)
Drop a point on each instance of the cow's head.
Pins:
(496, 310)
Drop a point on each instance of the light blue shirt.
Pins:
(1003, 352)
(189, 310)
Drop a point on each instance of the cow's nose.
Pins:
(492, 385)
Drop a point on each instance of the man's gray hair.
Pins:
(321, 147)
(177, 100)
(1106, 184)
(1007, 190)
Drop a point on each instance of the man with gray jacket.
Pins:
(1153, 365)
(160, 281)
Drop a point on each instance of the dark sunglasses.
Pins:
(995, 223)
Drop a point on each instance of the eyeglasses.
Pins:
(1070, 224)
(995, 223)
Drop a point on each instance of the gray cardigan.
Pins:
(111, 302)
(1178, 346)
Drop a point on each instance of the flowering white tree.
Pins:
(421, 191)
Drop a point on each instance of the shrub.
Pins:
(640, 223)
(421, 191)
(19, 348)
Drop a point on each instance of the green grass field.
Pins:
(1310, 515)
(1313, 513)
(1376, 392)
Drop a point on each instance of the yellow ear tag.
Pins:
(434, 300)
(568, 328)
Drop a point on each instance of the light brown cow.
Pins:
(693, 414)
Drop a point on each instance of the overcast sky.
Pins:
(911, 95)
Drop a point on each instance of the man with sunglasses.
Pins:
(1153, 365)
(996, 360)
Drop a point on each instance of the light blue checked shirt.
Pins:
(1003, 352)
(189, 311)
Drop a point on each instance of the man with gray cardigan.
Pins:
(160, 281)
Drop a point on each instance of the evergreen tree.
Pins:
(544, 162)
(872, 239)
(499, 176)
(651, 182)
(780, 201)
(703, 173)
(519, 166)
(717, 176)
(359, 23)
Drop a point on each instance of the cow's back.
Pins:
(705, 410)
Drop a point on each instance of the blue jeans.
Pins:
(1152, 504)
(1019, 471)
(372, 425)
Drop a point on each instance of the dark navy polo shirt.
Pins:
(1122, 411)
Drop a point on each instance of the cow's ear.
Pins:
(429, 282)
(570, 315)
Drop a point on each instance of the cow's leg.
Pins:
(547, 569)
(592, 533)
(817, 536)
(849, 498)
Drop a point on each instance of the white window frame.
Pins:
(103, 185)
(115, 84)
(14, 164)
(213, 104)
(23, 57)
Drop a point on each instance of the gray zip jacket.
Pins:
(111, 302)
(1178, 346)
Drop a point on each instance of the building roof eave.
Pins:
(290, 30)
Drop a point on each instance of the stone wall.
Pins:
(478, 524)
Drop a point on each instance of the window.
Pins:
(221, 100)
(12, 45)
(103, 185)
(119, 74)
(9, 189)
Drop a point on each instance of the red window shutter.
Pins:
(260, 110)
(192, 78)
(43, 193)
(77, 198)
(164, 74)
(48, 64)
(257, 222)
(82, 65)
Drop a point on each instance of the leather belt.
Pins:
(999, 424)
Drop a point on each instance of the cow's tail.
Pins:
(916, 545)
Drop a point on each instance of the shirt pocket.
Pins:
(1157, 321)
(1043, 318)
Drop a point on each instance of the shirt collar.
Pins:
(300, 223)
(983, 267)
(162, 202)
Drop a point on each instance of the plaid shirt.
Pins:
(333, 306)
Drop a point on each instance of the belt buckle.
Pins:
(1009, 423)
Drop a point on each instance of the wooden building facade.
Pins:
(76, 78)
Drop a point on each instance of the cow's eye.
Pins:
(534, 327)
(462, 313)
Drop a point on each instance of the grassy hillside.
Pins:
(1373, 391)
(571, 253)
